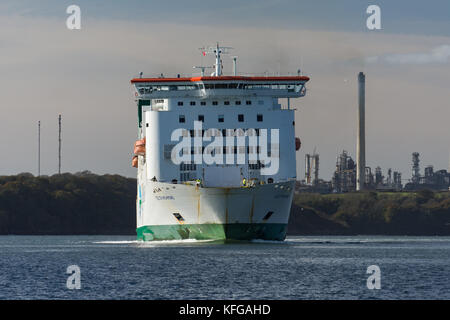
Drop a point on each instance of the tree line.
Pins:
(81, 203)
(395, 213)
(86, 203)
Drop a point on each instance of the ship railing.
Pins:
(196, 74)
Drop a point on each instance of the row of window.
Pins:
(216, 103)
(185, 176)
(220, 118)
(224, 150)
(188, 166)
(221, 132)
(193, 167)
(256, 166)
(147, 89)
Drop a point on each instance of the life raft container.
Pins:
(298, 144)
(134, 162)
(139, 147)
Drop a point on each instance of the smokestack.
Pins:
(308, 168)
(316, 168)
(361, 143)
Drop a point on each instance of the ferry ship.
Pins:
(216, 154)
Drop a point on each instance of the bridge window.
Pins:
(180, 103)
(259, 117)
(192, 103)
(240, 117)
(181, 119)
(203, 103)
(201, 118)
(248, 102)
(215, 103)
(238, 102)
(227, 103)
(221, 118)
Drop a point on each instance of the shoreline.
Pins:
(90, 204)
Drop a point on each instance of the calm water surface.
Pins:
(117, 267)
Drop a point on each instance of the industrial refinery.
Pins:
(351, 176)
(344, 178)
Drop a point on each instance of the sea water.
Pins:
(313, 267)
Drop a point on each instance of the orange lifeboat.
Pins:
(134, 162)
(139, 147)
(298, 144)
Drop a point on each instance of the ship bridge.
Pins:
(217, 86)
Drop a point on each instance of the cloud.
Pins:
(439, 54)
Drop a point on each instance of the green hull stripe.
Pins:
(232, 231)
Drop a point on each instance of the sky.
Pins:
(46, 70)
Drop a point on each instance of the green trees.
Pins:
(421, 213)
(82, 203)
(85, 203)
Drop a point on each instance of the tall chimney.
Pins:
(361, 143)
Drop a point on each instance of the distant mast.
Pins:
(59, 145)
(39, 148)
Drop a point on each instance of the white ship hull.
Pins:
(168, 211)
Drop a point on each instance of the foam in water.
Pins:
(139, 242)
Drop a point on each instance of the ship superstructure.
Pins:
(216, 155)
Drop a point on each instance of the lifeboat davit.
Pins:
(134, 162)
(139, 147)
(298, 144)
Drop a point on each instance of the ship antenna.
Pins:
(202, 68)
(217, 50)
